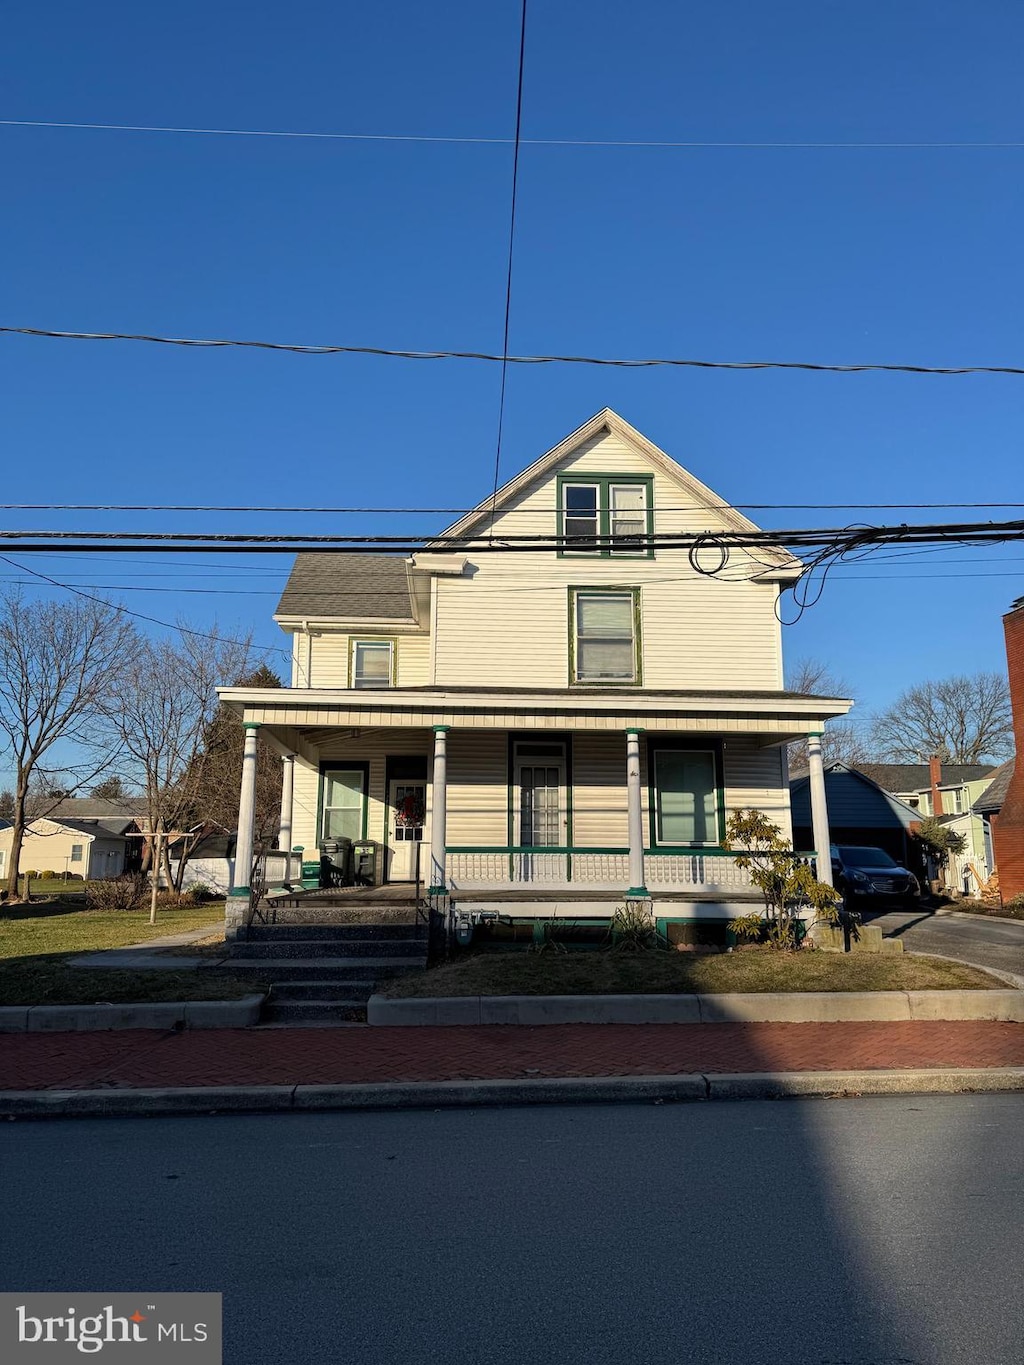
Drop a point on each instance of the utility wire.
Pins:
(465, 511)
(620, 363)
(511, 253)
(528, 142)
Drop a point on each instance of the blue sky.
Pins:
(834, 255)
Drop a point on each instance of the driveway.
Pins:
(977, 939)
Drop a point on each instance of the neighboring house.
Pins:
(94, 849)
(860, 812)
(948, 792)
(542, 732)
(988, 805)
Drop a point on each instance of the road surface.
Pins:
(977, 939)
(880, 1231)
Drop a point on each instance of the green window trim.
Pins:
(604, 483)
(607, 590)
(336, 765)
(356, 640)
(711, 746)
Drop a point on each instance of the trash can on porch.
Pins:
(336, 862)
(366, 862)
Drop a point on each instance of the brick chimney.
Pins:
(935, 778)
(1008, 827)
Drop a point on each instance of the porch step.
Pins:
(321, 946)
(277, 969)
(331, 933)
(313, 1012)
(345, 991)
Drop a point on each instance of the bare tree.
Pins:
(843, 740)
(58, 661)
(964, 719)
(162, 711)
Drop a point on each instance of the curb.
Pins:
(263, 1099)
(166, 1014)
(793, 1007)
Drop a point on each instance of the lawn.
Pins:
(32, 930)
(36, 940)
(667, 973)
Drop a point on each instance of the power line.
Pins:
(511, 252)
(465, 511)
(140, 616)
(527, 142)
(620, 363)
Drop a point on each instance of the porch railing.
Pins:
(492, 867)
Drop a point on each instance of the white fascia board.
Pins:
(347, 624)
(394, 697)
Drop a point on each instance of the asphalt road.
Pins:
(879, 1231)
(985, 942)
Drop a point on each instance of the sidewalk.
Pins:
(375, 1056)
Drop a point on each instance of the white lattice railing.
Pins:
(602, 869)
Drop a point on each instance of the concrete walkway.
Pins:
(150, 955)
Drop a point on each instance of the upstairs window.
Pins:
(605, 636)
(373, 663)
(606, 515)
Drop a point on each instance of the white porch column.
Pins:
(636, 815)
(819, 809)
(246, 812)
(438, 812)
(284, 838)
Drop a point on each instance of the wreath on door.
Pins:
(409, 811)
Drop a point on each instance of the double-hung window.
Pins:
(76, 853)
(343, 803)
(604, 630)
(606, 515)
(373, 663)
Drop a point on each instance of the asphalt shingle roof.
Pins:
(913, 777)
(992, 798)
(372, 586)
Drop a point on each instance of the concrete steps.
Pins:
(324, 972)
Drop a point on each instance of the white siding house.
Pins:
(542, 726)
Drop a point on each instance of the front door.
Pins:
(541, 819)
(406, 809)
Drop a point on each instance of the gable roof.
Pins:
(914, 777)
(113, 827)
(992, 798)
(360, 585)
(854, 802)
(608, 421)
(95, 808)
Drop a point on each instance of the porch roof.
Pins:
(775, 714)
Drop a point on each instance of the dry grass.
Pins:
(49, 981)
(34, 930)
(760, 970)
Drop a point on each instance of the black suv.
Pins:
(868, 876)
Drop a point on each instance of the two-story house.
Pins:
(526, 726)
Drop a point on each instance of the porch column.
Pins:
(819, 809)
(636, 815)
(438, 812)
(246, 812)
(284, 838)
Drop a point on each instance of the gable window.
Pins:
(604, 636)
(373, 663)
(76, 853)
(616, 508)
(685, 797)
(343, 803)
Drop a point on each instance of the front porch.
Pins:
(570, 799)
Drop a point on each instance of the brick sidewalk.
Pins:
(40, 1061)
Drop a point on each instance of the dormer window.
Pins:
(606, 515)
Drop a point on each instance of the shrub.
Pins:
(633, 929)
(119, 893)
(1016, 905)
(787, 885)
(198, 894)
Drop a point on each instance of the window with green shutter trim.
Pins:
(619, 508)
(343, 800)
(604, 645)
